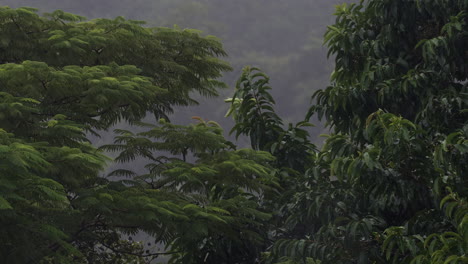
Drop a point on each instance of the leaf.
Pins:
(4, 204)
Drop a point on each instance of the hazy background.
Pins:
(282, 37)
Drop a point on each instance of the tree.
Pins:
(62, 78)
(222, 190)
(390, 183)
(252, 108)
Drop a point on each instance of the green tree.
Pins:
(222, 190)
(389, 185)
(62, 79)
(252, 108)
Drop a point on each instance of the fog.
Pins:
(282, 37)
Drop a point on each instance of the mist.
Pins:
(282, 38)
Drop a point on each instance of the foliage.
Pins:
(388, 186)
(397, 107)
(105, 55)
(220, 192)
(446, 247)
(63, 77)
(252, 110)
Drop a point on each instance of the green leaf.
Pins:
(4, 204)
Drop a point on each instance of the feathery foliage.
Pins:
(220, 192)
(63, 77)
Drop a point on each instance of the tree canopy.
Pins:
(63, 77)
(389, 184)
